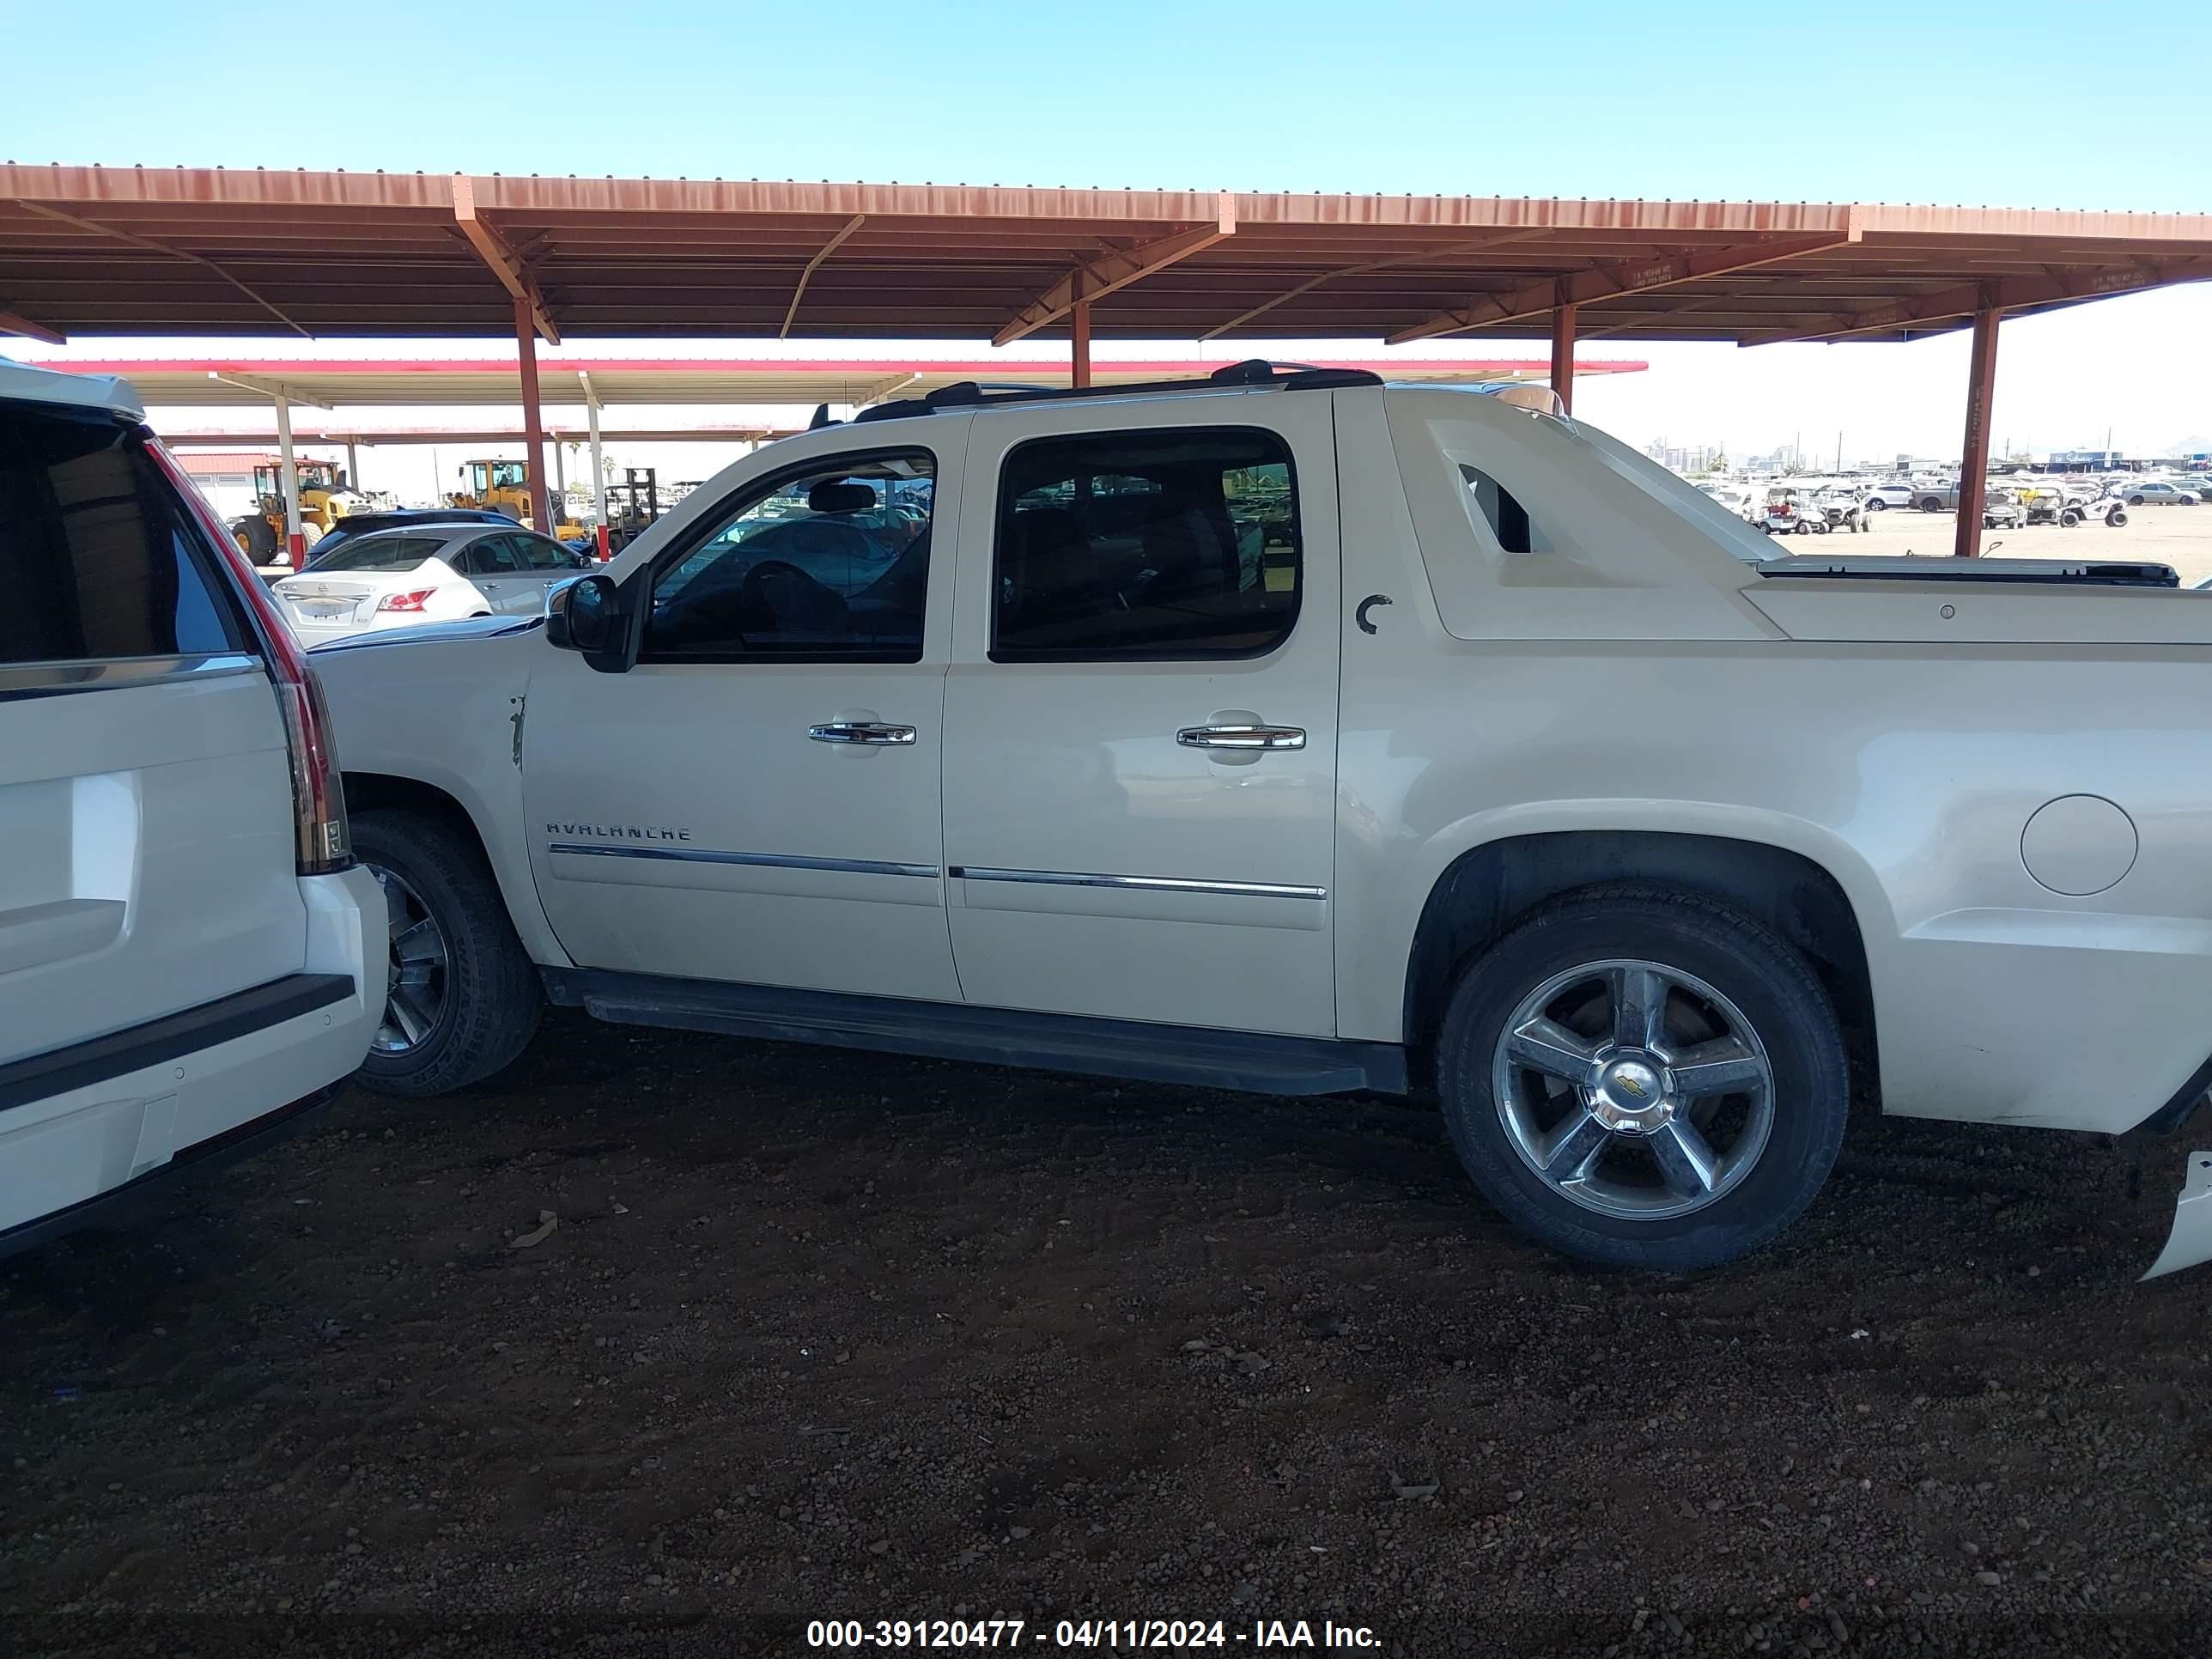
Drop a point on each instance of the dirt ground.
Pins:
(826, 1334)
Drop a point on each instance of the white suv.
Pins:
(1291, 732)
(189, 960)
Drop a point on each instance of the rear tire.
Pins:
(1929, 504)
(463, 998)
(1763, 993)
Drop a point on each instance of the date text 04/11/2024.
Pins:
(1108, 1634)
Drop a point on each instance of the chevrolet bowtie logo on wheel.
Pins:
(1632, 1086)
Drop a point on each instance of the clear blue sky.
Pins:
(2024, 104)
(2021, 105)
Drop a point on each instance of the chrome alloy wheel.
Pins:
(1634, 1089)
(416, 970)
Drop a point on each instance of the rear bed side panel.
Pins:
(1908, 772)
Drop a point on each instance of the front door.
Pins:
(758, 798)
(1140, 717)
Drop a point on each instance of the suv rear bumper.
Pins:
(119, 1203)
(88, 1122)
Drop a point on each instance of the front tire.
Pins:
(462, 999)
(257, 537)
(1644, 1078)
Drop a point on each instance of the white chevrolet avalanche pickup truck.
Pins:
(190, 961)
(1291, 732)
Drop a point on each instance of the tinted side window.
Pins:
(540, 554)
(830, 563)
(496, 556)
(1146, 544)
(95, 552)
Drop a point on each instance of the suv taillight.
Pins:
(318, 792)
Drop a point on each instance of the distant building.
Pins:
(1682, 458)
(225, 476)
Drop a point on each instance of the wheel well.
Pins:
(1490, 889)
(369, 791)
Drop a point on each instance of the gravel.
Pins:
(822, 1334)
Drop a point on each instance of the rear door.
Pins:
(1140, 714)
(146, 858)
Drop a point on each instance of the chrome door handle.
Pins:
(860, 732)
(1241, 736)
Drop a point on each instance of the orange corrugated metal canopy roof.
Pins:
(566, 377)
(154, 250)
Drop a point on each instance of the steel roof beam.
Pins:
(815, 264)
(1420, 257)
(147, 242)
(1612, 279)
(512, 270)
(270, 389)
(1116, 270)
(1946, 307)
(12, 324)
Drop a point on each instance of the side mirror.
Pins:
(584, 613)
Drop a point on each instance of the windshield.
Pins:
(379, 553)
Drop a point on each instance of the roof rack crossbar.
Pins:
(1252, 372)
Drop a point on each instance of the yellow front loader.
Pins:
(326, 496)
(504, 487)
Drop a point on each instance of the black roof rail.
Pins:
(1252, 372)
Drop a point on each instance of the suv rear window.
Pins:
(385, 552)
(96, 555)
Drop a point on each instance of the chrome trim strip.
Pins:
(770, 860)
(61, 679)
(1140, 883)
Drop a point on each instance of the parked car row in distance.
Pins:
(428, 572)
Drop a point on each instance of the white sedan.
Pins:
(401, 578)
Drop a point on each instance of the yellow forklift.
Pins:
(630, 507)
(504, 487)
(326, 496)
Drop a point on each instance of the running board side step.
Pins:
(1254, 1062)
(2191, 1240)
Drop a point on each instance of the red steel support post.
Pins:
(1079, 334)
(1563, 357)
(1974, 458)
(533, 418)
